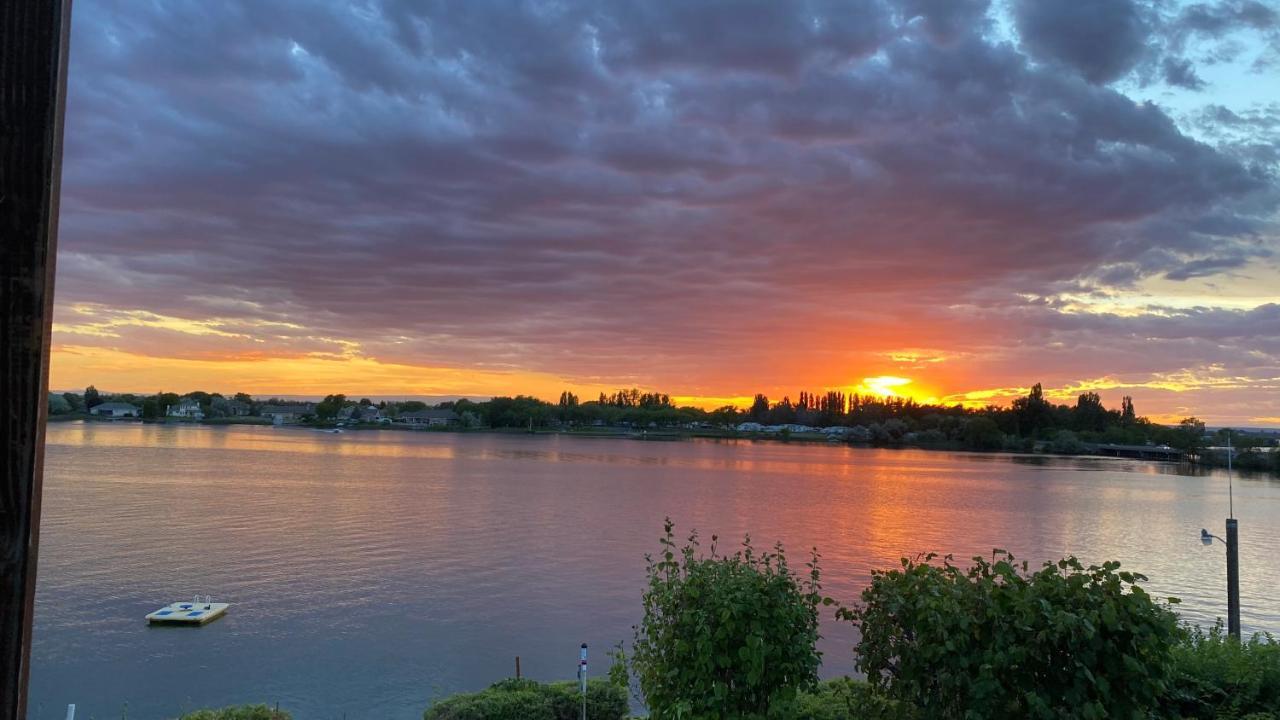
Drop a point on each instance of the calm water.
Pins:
(373, 571)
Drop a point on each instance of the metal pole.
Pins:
(1233, 579)
(582, 679)
(1233, 555)
(1231, 495)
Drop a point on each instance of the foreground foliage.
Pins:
(1216, 676)
(994, 640)
(725, 636)
(238, 712)
(842, 699)
(529, 700)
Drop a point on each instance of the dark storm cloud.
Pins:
(571, 186)
(1102, 39)
(1181, 73)
(1218, 19)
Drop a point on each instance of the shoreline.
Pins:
(667, 435)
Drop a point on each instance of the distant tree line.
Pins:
(1027, 423)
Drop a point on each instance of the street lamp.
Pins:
(1233, 554)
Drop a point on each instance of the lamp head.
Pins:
(1205, 537)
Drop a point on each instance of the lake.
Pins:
(373, 571)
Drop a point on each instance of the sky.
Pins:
(947, 200)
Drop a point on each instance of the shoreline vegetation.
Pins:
(732, 635)
(1030, 424)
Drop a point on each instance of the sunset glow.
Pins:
(632, 200)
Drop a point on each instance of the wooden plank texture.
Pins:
(33, 53)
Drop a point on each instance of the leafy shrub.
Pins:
(996, 641)
(982, 433)
(727, 636)
(530, 700)
(1066, 442)
(932, 436)
(1217, 676)
(238, 712)
(843, 699)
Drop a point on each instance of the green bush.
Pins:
(1066, 442)
(529, 700)
(1217, 676)
(238, 712)
(843, 699)
(997, 641)
(725, 636)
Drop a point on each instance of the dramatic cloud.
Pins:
(1102, 39)
(709, 198)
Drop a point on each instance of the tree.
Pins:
(1089, 414)
(151, 408)
(245, 398)
(725, 636)
(1189, 437)
(91, 398)
(759, 408)
(219, 407)
(783, 412)
(995, 640)
(1127, 414)
(982, 433)
(1033, 411)
(166, 400)
(328, 408)
(58, 405)
(75, 401)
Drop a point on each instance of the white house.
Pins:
(185, 409)
(114, 410)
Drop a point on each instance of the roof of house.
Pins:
(430, 414)
(116, 406)
(287, 409)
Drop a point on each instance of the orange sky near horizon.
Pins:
(74, 367)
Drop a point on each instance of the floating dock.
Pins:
(188, 613)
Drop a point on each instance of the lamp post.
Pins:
(1233, 554)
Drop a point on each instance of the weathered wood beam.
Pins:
(33, 60)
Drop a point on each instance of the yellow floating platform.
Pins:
(188, 613)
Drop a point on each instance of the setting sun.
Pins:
(893, 386)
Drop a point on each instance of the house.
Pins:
(286, 414)
(114, 410)
(432, 418)
(185, 409)
(749, 427)
(238, 408)
(370, 414)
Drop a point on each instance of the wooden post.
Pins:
(517, 667)
(33, 61)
